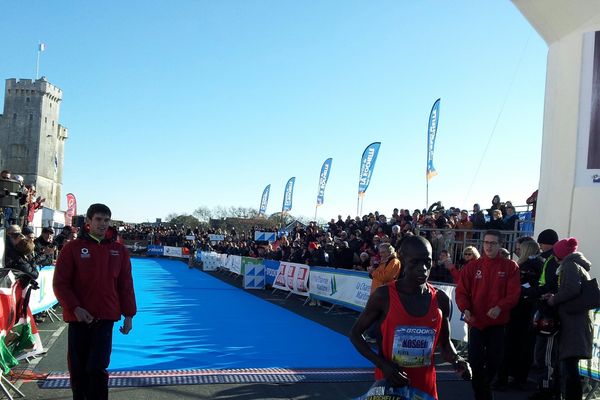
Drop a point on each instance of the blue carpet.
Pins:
(189, 320)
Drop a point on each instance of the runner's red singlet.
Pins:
(411, 341)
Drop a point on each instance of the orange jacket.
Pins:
(386, 272)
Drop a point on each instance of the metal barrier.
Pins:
(454, 241)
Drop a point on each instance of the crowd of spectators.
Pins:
(350, 243)
(25, 201)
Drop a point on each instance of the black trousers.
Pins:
(88, 356)
(486, 351)
(570, 370)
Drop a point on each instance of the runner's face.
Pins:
(417, 264)
(98, 224)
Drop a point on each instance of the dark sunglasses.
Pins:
(468, 254)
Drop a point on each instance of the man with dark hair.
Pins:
(545, 355)
(65, 235)
(44, 248)
(94, 286)
(487, 290)
(413, 318)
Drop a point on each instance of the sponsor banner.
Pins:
(190, 237)
(367, 164)
(591, 368)
(135, 246)
(264, 200)
(210, 260)
(216, 238)
(43, 298)
(347, 288)
(271, 268)
(265, 236)
(323, 177)
(223, 262)
(254, 273)
(154, 250)
(234, 264)
(431, 134)
(288, 195)
(458, 327)
(292, 277)
(170, 251)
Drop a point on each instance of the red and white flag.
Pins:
(71, 209)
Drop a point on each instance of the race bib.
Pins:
(413, 346)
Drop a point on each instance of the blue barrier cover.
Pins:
(271, 268)
(155, 250)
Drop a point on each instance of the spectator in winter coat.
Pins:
(575, 327)
(487, 290)
(388, 269)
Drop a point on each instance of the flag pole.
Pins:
(37, 63)
(357, 205)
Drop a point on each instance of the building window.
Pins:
(45, 120)
(15, 116)
(50, 105)
(8, 91)
(31, 117)
(52, 123)
(27, 100)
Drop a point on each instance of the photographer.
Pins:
(10, 193)
(44, 248)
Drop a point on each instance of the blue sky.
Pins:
(172, 105)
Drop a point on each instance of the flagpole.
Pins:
(427, 193)
(37, 63)
(357, 205)
(316, 208)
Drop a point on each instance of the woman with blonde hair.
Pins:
(469, 254)
(388, 269)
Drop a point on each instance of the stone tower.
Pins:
(31, 139)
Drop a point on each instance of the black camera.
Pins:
(10, 193)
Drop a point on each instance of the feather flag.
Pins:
(434, 117)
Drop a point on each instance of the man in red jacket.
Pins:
(487, 290)
(93, 283)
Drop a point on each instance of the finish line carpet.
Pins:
(193, 328)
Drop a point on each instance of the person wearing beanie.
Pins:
(548, 382)
(575, 327)
(564, 247)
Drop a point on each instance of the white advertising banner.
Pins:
(43, 298)
(171, 251)
(458, 327)
(216, 238)
(235, 264)
(344, 287)
(293, 278)
(210, 261)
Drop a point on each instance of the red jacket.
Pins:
(485, 283)
(95, 276)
